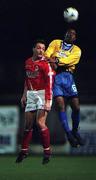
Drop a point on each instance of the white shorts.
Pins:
(36, 100)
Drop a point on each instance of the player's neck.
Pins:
(35, 58)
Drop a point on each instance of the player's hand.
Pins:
(23, 101)
(47, 105)
(53, 63)
(53, 60)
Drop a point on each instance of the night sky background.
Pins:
(23, 21)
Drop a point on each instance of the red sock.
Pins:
(45, 138)
(26, 140)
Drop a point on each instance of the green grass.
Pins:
(59, 168)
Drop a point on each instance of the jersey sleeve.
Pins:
(51, 49)
(49, 78)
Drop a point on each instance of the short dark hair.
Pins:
(42, 41)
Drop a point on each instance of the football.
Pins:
(70, 14)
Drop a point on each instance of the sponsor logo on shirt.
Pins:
(33, 74)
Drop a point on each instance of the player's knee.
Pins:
(40, 124)
(61, 107)
(76, 110)
(28, 126)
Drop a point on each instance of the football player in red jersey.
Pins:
(37, 99)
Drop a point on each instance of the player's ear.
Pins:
(33, 49)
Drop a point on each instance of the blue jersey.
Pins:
(64, 85)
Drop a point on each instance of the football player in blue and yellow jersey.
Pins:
(66, 55)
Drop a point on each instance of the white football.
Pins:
(71, 14)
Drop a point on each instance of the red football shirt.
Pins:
(39, 76)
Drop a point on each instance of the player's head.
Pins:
(70, 36)
(38, 49)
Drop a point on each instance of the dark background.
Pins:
(23, 21)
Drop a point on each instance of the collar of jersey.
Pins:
(66, 46)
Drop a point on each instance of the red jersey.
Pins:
(39, 76)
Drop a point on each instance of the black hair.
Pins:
(42, 41)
